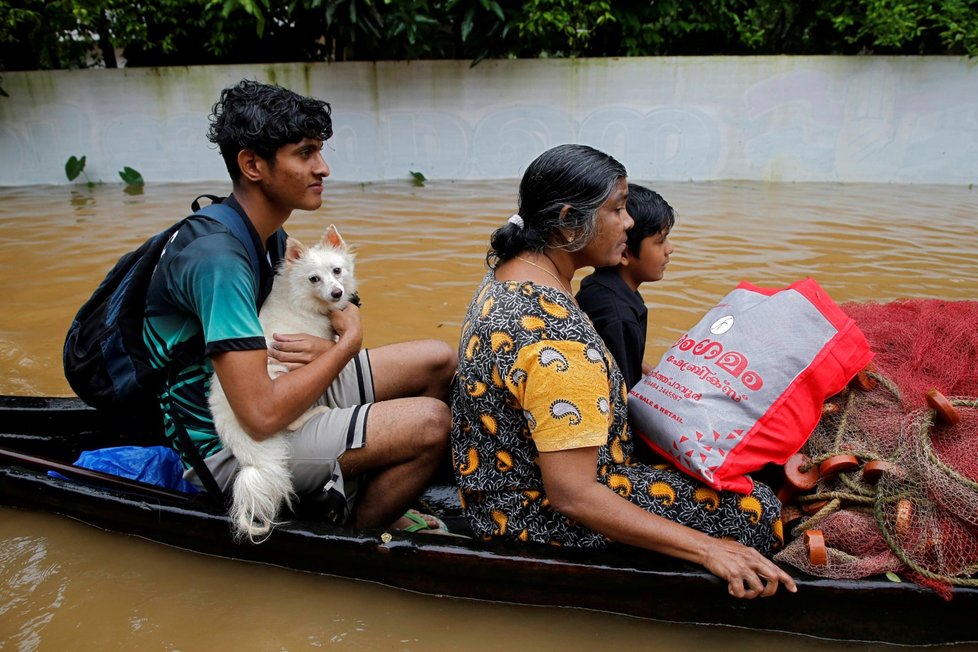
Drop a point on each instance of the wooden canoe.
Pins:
(40, 434)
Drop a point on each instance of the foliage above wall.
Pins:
(51, 34)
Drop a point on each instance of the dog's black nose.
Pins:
(337, 293)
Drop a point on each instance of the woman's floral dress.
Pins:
(533, 376)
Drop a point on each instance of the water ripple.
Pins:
(421, 251)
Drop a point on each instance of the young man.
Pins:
(610, 295)
(271, 140)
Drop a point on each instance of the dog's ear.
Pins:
(332, 238)
(294, 250)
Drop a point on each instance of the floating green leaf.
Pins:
(893, 577)
(74, 166)
(418, 179)
(131, 177)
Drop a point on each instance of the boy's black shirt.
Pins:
(620, 317)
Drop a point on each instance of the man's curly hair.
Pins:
(263, 118)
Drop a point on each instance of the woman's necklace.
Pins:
(559, 280)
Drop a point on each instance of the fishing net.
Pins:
(888, 481)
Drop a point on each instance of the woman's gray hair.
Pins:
(577, 177)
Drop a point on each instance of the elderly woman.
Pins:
(541, 446)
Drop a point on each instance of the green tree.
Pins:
(562, 27)
(675, 27)
(861, 27)
(481, 28)
(38, 34)
(75, 33)
(908, 26)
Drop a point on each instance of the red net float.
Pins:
(904, 514)
(945, 411)
(876, 469)
(786, 494)
(864, 381)
(800, 473)
(830, 408)
(815, 543)
(837, 464)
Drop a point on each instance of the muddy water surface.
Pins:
(420, 254)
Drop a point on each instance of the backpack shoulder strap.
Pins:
(235, 224)
(276, 249)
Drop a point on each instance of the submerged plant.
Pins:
(75, 166)
(131, 177)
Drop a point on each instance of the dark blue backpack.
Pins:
(105, 360)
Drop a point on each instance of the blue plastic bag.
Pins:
(159, 465)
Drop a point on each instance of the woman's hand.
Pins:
(568, 479)
(297, 349)
(748, 573)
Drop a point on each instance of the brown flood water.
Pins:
(420, 255)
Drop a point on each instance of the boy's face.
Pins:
(653, 256)
(294, 180)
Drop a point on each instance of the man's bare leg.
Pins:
(418, 368)
(407, 429)
(407, 440)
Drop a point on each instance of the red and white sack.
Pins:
(745, 386)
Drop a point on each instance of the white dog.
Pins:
(310, 283)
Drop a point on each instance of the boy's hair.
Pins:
(262, 118)
(651, 213)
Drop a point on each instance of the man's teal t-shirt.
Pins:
(204, 284)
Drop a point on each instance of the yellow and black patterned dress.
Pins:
(533, 376)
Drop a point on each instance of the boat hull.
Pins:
(622, 580)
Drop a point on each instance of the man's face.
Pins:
(295, 176)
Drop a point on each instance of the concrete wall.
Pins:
(848, 119)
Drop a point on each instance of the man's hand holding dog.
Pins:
(293, 350)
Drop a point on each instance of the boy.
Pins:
(610, 295)
(271, 141)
